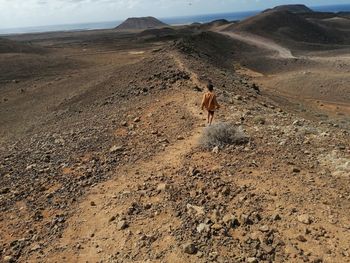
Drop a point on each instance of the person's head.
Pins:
(210, 87)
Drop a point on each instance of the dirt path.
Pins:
(93, 233)
(260, 42)
(194, 77)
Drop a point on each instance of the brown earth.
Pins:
(9, 46)
(100, 160)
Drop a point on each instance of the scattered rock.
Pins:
(216, 150)
(216, 226)
(198, 89)
(35, 247)
(203, 228)
(298, 123)
(246, 220)
(276, 217)
(193, 171)
(115, 149)
(65, 162)
(252, 260)
(166, 141)
(296, 170)
(122, 224)
(4, 190)
(305, 219)
(190, 248)
(225, 191)
(113, 218)
(264, 228)
(9, 259)
(198, 209)
(231, 221)
(301, 238)
(267, 249)
(162, 187)
(148, 206)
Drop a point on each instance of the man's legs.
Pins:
(211, 117)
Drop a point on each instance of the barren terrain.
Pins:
(100, 159)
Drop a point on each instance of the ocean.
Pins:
(233, 16)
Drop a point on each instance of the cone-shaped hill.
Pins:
(140, 23)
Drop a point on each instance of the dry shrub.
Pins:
(223, 134)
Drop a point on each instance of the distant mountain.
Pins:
(297, 9)
(141, 23)
(284, 26)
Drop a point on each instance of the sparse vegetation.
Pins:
(259, 120)
(222, 134)
(100, 138)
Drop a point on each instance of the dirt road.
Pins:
(261, 43)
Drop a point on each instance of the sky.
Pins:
(25, 13)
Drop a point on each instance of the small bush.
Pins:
(259, 120)
(222, 134)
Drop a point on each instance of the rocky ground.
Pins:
(114, 172)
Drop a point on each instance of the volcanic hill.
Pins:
(140, 23)
(291, 8)
(284, 26)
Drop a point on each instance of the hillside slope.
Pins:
(285, 26)
(109, 166)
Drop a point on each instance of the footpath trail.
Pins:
(95, 233)
(92, 234)
(260, 42)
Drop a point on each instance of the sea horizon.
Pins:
(173, 21)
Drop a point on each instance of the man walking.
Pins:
(210, 103)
